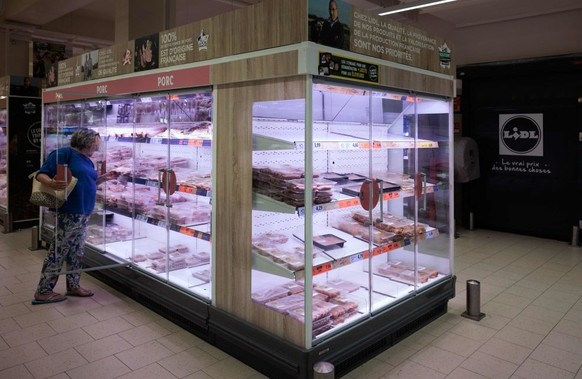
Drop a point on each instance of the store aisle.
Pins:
(531, 292)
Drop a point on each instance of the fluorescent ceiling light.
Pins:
(413, 5)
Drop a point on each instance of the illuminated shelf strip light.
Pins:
(415, 5)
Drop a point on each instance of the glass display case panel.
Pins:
(379, 166)
(156, 213)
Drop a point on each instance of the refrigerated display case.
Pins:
(155, 216)
(330, 222)
(376, 234)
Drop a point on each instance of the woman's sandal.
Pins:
(52, 297)
(79, 292)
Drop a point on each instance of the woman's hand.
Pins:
(58, 184)
(107, 176)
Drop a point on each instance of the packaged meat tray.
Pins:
(269, 294)
(285, 304)
(203, 275)
(355, 177)
(328, 241)
(338, 178)
(321, 310)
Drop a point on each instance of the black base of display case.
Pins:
(263, 351)
(346, 351)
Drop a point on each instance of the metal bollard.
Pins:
(34, 241)
(323, 370)
(575, 236)
(473, 311)
(471, 221)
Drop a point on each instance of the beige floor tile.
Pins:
(153, 371)
(438, 327)
(419, 339)
(145, 333)
(16, 298)
(504, 310)
(396, 354)
(532, 324)
(15, 310)
(541, 313)
(9, 325)
(212, 350)
(72, 322)
(556, 301)
(462, 373)
(520, 337)
(374, 368)
(559, 358)
(188, 362)
(113, 310)
(141, 317)
(55, 364)
(457, 344)
(438, 359)
(34, 318)
(533, 284)
(414, 370)
(506, 350)
(529, 293)
(167, 324)
(144, 355)
(102, 348)
(489, 366)
(570, 327)
(27, 335)
(3, 345)
(494, 321)
(20, 354)
(5, 291)
(74, 306)
(180, 341)
(64, 341)
(108, 327)
(513, 300)
(199, 375)
(106, 368)
(229, 368)
(473, 330)
(564, 341)
(16, 372)
(532, 369)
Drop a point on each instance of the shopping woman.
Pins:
(72, 218)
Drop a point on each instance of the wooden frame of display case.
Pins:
(262, 53)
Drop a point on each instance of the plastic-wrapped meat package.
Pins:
(269, 294)
(203, 275)
(284, 304)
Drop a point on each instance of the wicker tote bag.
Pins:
(45, 196)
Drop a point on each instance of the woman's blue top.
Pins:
(82, 199)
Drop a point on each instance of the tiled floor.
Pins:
(531, 292)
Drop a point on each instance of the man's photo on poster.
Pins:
(329, 23)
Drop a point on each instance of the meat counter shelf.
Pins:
(265, 203)
(335, 141)
(187, 230)
(355, 250)
(180, 187)
(197, 142)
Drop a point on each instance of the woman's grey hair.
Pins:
(83, 138)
